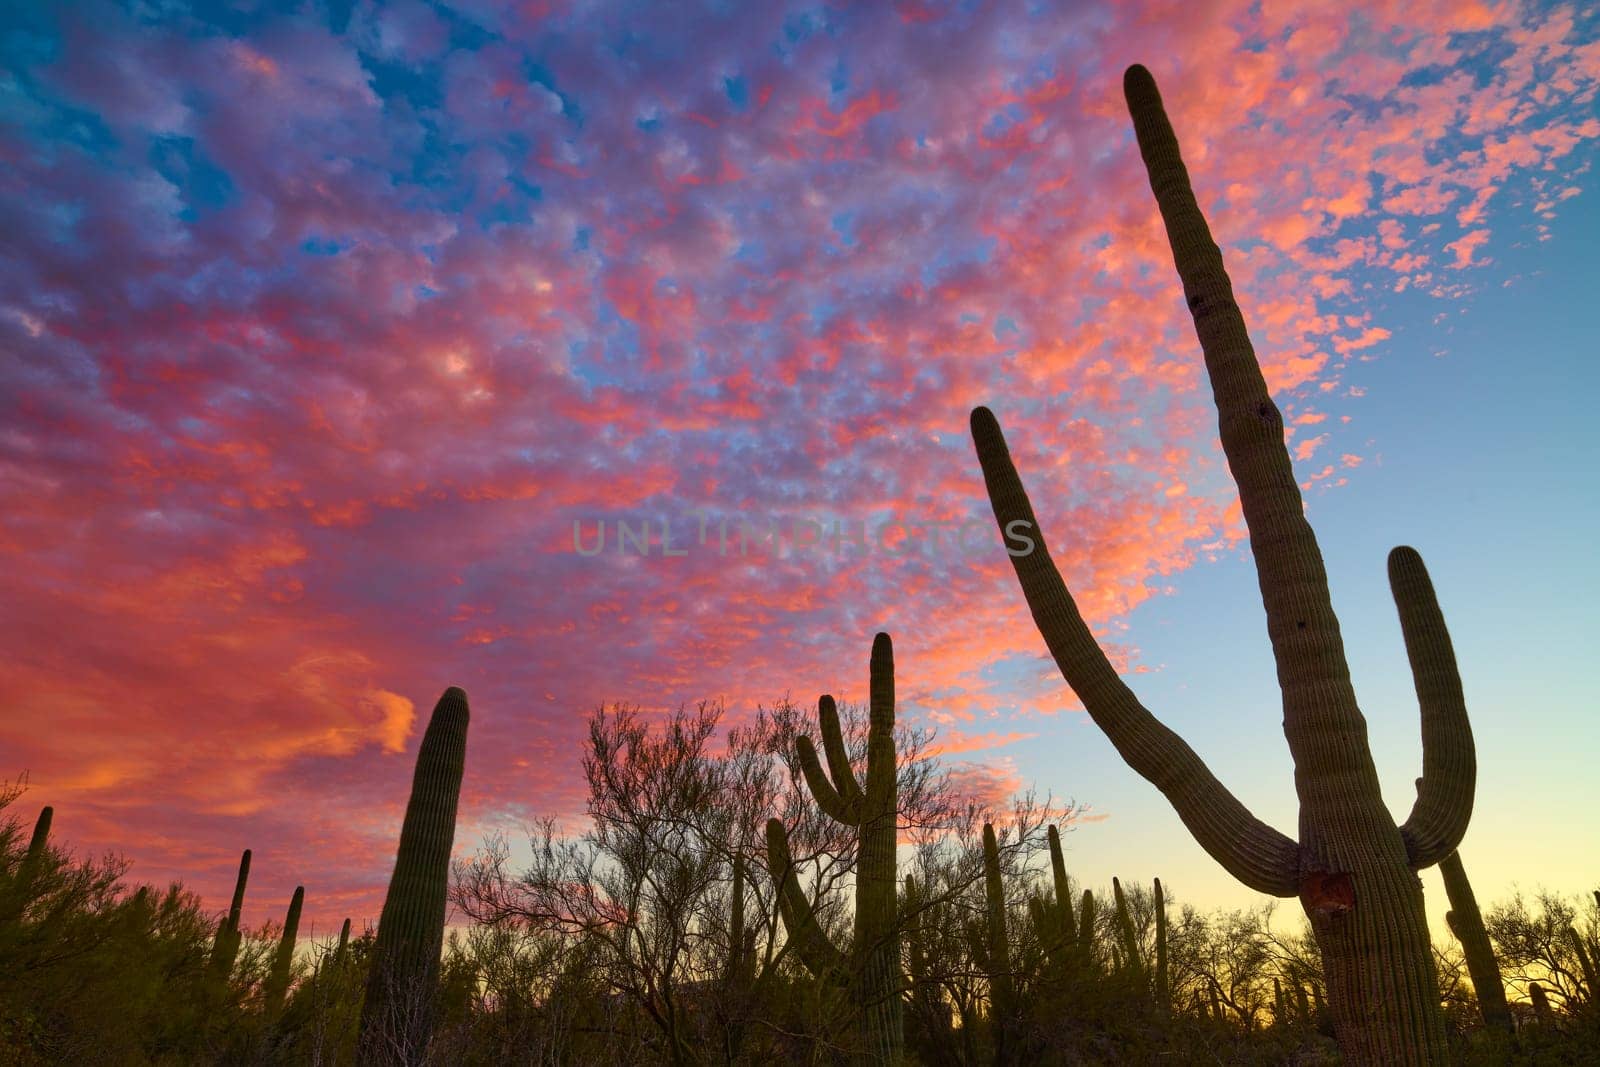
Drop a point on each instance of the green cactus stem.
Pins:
(921, 917)
(40, 836)
(1127, 936)
(341, 953)
(1280, 1006)
(1586, 965)
(1163, 987)
(1353, 869)
(741, 941)
(997, 955)
(1466, 923)
(1541, 1003)
(1086, 917)
(873, 963)
(20, 892)
(225, 945)
(398, 1011)
(277, 986)
(1066, 934)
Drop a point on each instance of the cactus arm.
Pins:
(1439, 818)
(1294, 583)
(819, 954)
(833, 747)
(1253, 852)
(1067, 929)
(840, 807)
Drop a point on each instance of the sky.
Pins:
(332, 335)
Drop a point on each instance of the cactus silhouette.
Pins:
(225, 946)
(1466, 923)
(995, 956)
(1127, 937)
(277, 985)
(1163, 987)
(21, 889)
(1541, 1003)
(1352, 868)
(873, 964)
(397, 1014)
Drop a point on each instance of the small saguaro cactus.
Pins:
(1353, 869)
(1086, 917)
(1586, 966)
(225, 946)
(995, 960)
(1066, 934)
(397, 1014)
(1163, 987)
(1541, 1003)
(277, 985)
(741, 940)
(872, 967)
(1466, 923)
(21, 889)
(1127, 940)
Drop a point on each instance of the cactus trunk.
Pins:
(19, 894)
(225, 946)
(277, 986)
(1163, 987)
(397, 1014)
(997, 952)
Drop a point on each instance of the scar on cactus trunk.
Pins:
(872, 967)
(397, 1014)
(1352, 868)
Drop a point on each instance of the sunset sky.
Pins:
(321, 325)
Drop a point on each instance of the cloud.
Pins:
(319, 338)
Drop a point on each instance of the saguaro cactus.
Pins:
(1127, 940)
(995, 959)
(873, 965)
(225, 946)
(1163, 986)
(283, 961)
(1352, 868)
(21, 890)
(397, 1014)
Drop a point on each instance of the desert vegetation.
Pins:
(739, 895)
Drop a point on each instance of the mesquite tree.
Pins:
(1353, 869)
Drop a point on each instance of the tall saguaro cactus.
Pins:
(397, 1014)
(225, 946)
(872, 966)
(277, 986)
(1352, 868)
